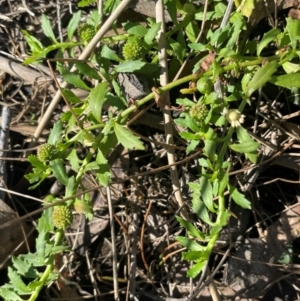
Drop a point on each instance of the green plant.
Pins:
(133, 49)
(62, 217)
(242, 68)
(86, 32)
(45, 152)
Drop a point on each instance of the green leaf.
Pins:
(91, 166)
(24, 266)
(84, 3)
(293, 28)
(40, 244)
(191, 147)
(204, 162)
(189, 243)
(221, 35)
(210, 149)
(9, 295)
(35, 162)
(37, 176)
(197, 46)
(59, 249)
(152, 33)
(74, 160)
(179, 50)
(34, 44)
(171, 7)
(250, 146)
(129, 66)
(261, 77)
(59, 171)
(247, 8)
(97, 99)
(224, 217)
(215, 230)
(192, 31)
(71, 187)
(196, 269)
(267, 38)
(103, 175)
(185, 102)
(84, 207)
(47, 29)
(293, 96)
(70, 96)
(289, 67)
(287, 80)
(206, 193)
(55, 133)
(245, 82)
(135, 29)
(189, 136)
(32, 259)
(94, 17)
(44, 222)
(188, 122)
(224, 175)
(243, 135)
(17, 282)
(238, 24)
(73, 24)
(246, 147)
(192, 255)
(239, 198)
(200, 209)
(127, 139)
(36, 284)
(87, 70)
(217, 70)
(74, 80)
(106, 52)
(217, 13)
(192, 230)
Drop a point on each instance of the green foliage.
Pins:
(211, 123)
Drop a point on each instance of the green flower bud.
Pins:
(62, 217)
(45, 152)
(134, 49)
(204, 85)
(199, 112)
(86, 32)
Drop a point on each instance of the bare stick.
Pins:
(162, 54)
(4, 132)
(113, 245)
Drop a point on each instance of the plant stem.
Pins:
(192, 77)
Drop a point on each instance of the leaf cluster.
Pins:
(98, 122)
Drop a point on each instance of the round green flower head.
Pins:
(199, 112)
(134, 49)
(45, 152)
(204, 85)
(62, 217)
(86, 32)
